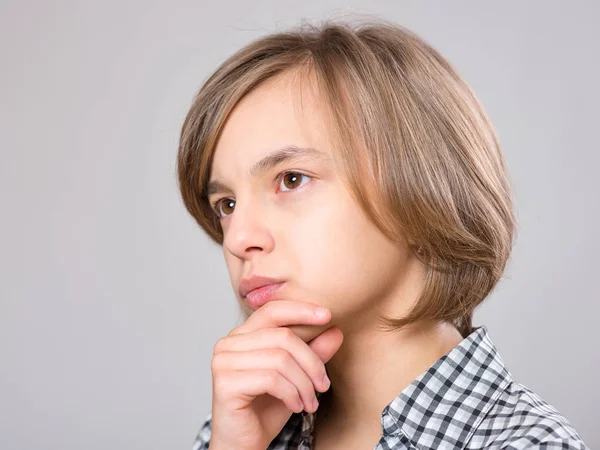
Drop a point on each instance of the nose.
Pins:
(248, 230)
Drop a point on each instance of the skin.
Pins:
(310, 232)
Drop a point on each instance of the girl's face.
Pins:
(303, 227)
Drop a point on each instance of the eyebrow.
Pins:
(287, 154)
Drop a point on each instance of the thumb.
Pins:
(326, 344)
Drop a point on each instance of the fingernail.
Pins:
(321, 312)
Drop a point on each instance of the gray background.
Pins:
(111, 296)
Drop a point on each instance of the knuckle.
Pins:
(221, 383)
(215, 363)
(282, 358)
(234, 331)
(219, 346)
(287, 335)
(271, 377)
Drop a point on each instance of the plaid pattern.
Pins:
(466, 400)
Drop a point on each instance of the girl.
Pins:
(351, 168)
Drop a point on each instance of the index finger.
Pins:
(281, 313)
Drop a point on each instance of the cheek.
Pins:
(234, 269)
(339, 254)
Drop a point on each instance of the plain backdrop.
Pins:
(111, 296)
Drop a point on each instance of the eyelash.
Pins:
(281, 176)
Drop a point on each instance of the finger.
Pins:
(282, 338)
(281, 313)
(276, 359)
(239, 388)
(308, 332)
(326, 344)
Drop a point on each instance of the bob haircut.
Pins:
(411, 141)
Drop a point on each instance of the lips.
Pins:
(259, 296)
(258, 289)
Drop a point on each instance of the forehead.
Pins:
(282, 111)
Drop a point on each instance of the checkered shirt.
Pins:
(466, 400)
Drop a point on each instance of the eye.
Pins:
(290, 177)
(226, 201)
(293, 176)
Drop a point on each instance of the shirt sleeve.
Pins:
(202, 440)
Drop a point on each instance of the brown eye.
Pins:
(292, 179)
(227, 203)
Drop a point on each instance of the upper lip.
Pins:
(255, 282)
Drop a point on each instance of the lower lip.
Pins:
(258, 297)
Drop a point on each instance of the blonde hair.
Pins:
(413, 143)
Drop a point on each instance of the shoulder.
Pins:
(203, 437)
(520, 418)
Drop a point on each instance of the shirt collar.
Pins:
(447, 401)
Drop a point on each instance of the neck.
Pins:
(373, 366)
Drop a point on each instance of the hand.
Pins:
(264, 370)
